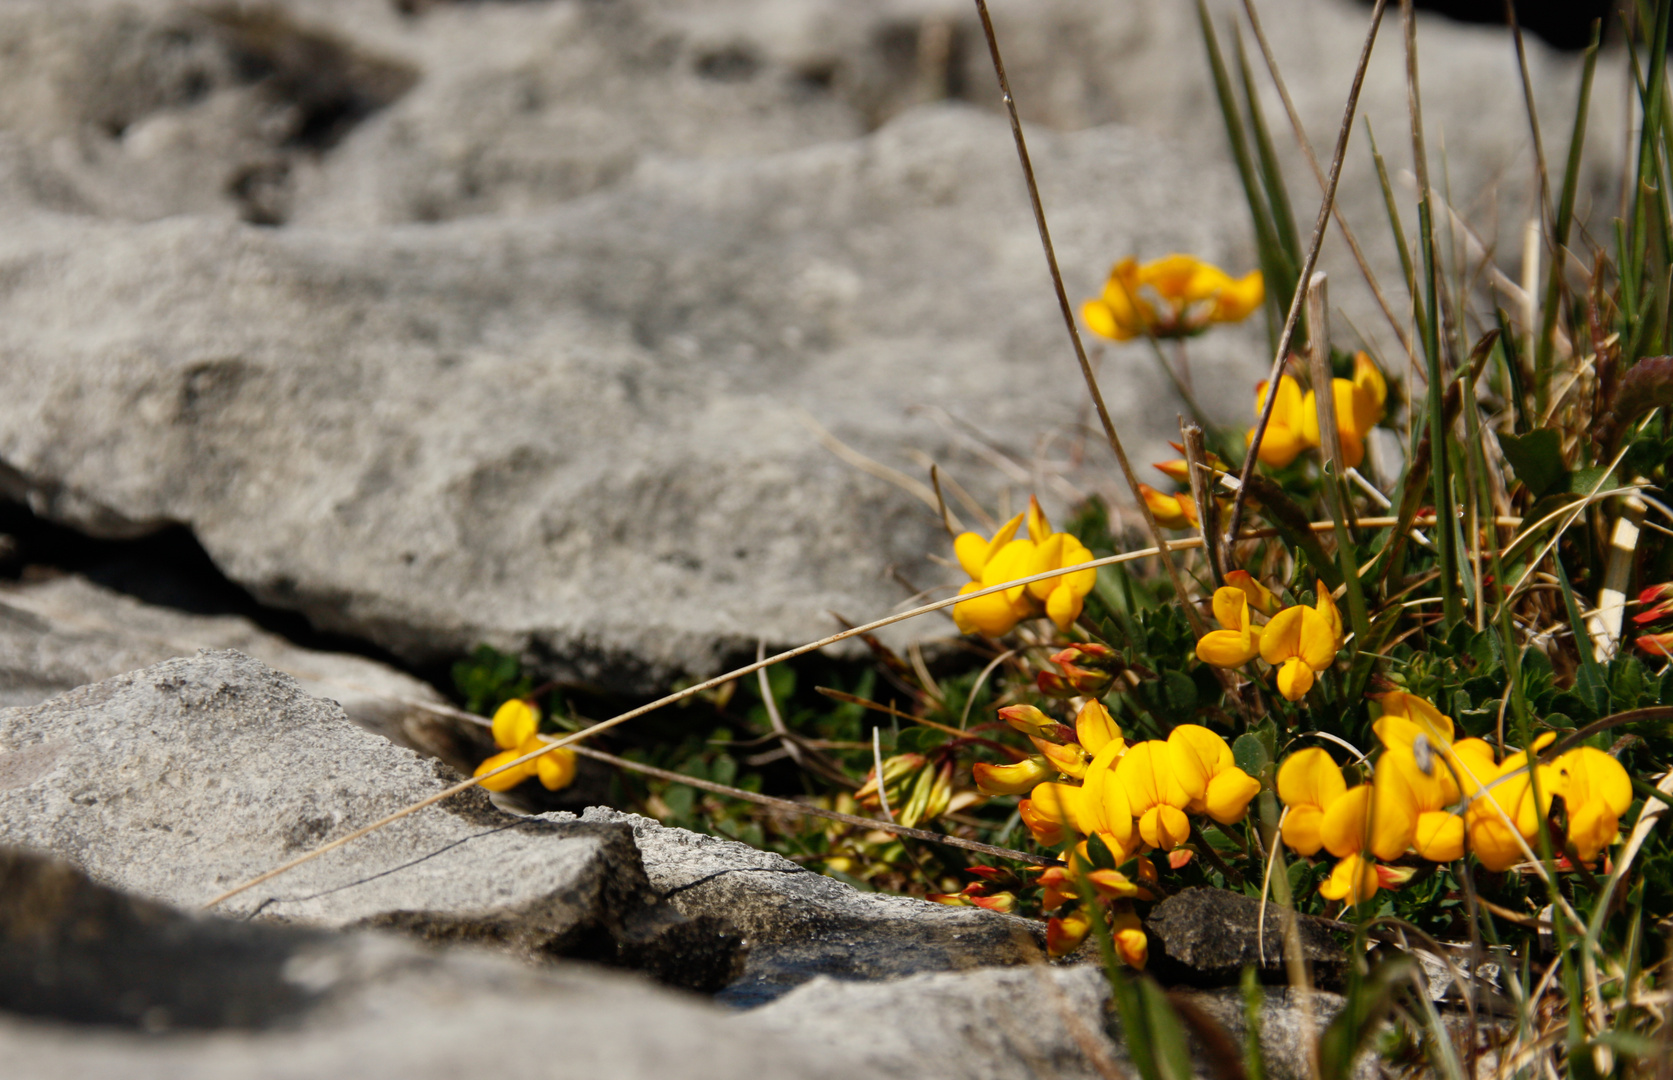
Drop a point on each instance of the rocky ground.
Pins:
(534, 324)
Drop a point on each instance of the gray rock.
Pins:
(1039, 1020)
(526, 367)
(576, 434)
(1208, 936)
(1290, 1027)
(92, 977)
(62, 632)
(992, 1024)
(181, 780)
(799, 924)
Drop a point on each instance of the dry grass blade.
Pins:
(1325, 206)
(915, 488)
(669, 699)
(1091, 379)
(1306, 145)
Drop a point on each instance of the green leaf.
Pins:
(1585, 481)
(1537, 458)
(1181, 693)
(1250, 754)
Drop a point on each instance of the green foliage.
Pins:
(488, 678)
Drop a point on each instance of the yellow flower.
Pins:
(1359, 406)
(1170, 511)
(1239, 639)
(1097, 729)
(1145, 776)
(1300, 641)
(1597, 792)
(1064, 595)
(1204, 768)
(1370, 817)
(1131, 944)
(1106, 808)
(1192, 771)
(1284, 439)
(1309, 781)
(1011, 779)
(1059, 812)
(1175, 296)
(1294, 426)
(1006, 556)
(1422, 758)
(1509, 788)
(989, 562)
(1064, 934)
(516, 725)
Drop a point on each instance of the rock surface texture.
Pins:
(451, 323)
(184, 779)
(106, 987)
(799, 924)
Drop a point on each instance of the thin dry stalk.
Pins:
(669, 699)
(1306, 145)
(1325, 206)
(808, 810)
(1087, 374)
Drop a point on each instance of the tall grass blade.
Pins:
(1280, 275)
(1272, 174)
(1420, 315)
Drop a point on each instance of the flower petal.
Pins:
(1164, 827)
(1353, 880)
(1295, 678)
(1281, 639)
(514, 722)
(1439, 836)
(1229, 794)
(1095, 728)
(1229, 648)
(1231, 607)
(972, 552)
(1310, 778)
(507, 780)
(1301, 829)
(1011, 779)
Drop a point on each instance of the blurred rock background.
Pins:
(523, 322)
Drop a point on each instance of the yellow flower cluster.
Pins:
(1297, 641)
(1006, 556)
(1133, 798)
(1431, 796)
(1294, 426)
(1173, 297)
(517, 733)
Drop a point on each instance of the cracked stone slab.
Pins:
(1025, 1022)
(62, 632)
(104, 986)
(799, 924)
(183, 779)
(1208, 936)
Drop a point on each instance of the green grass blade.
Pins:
(1546, 344)
(1272, 174)
(1280, 278)
(1419, 314)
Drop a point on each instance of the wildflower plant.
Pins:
(1439, 709)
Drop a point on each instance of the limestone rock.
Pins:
(991, 1024)
(799, 924)
(62, 632)
(1208, 936)
(528, 362)
(181, 780)
(92, 977)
